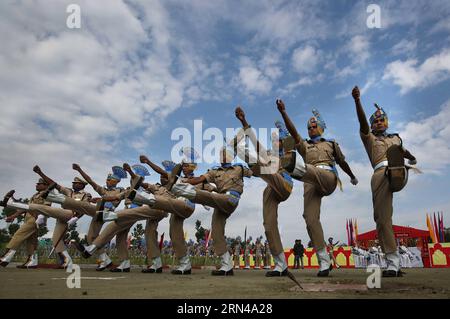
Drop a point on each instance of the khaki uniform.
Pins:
(279, 188)
(151, 238)
(267, 256)
(318, 182)
(226, 179)
(376, 148)
(125, 219)
(28, 231)
(258, 254)
(96, 226)
(247, 256)
(62, 216)
(84, 207)
(237, 255)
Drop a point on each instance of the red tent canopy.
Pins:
(399, 232)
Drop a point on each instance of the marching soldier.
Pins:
(64, 218)
(176, 221)
(330, 247)
(156, 202)
(386, 154)
(237, 253)
(28, 231)
(230, 185)
(316, 168)
(279, 187)
(83, 207)
(267, 256)
(258, 254)
(247, 254)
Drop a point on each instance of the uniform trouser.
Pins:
(318, 183)
(223, 208)
(277, 191)
(180, 210)
(258, 261)
(267, 260)
(61, 216)
(27, 233)
(151, 238)
(125, 219)
(85, 208)
(237, 260)
(382, 211)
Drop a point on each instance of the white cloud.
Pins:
(405, 46)
(305, 59)
(410, 74)
(252, 78)
(428, 140)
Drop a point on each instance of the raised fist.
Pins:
(355, 93)
(126, 167)
(144, 159)
(37, 169)
(76, 167)
(280, 105)
(240, 114)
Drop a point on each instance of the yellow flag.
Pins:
(430, 229)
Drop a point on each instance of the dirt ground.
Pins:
(346, 283)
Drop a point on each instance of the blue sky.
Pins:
(136, 70)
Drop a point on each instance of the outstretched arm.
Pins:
(196, 180)
(410, 157)
(363, 124)
(287, 121)
(128, 169)
(240, 115)
(144, 159)
(47, 179)
(85, 176)
(346, 168)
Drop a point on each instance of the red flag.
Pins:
(348, 236)
(436, 229)
(161, 240)
(351, 232)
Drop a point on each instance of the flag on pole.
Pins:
(245, 234)
(356, 230)
(351, 232)
(161, 241)
(430, 229)
(436, 230)
(442, 227)
(348, 236)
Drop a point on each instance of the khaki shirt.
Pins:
(37, 199)
(377, 146)
(81, 195)
(228, 178)
(104, 191)
(322, 152)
